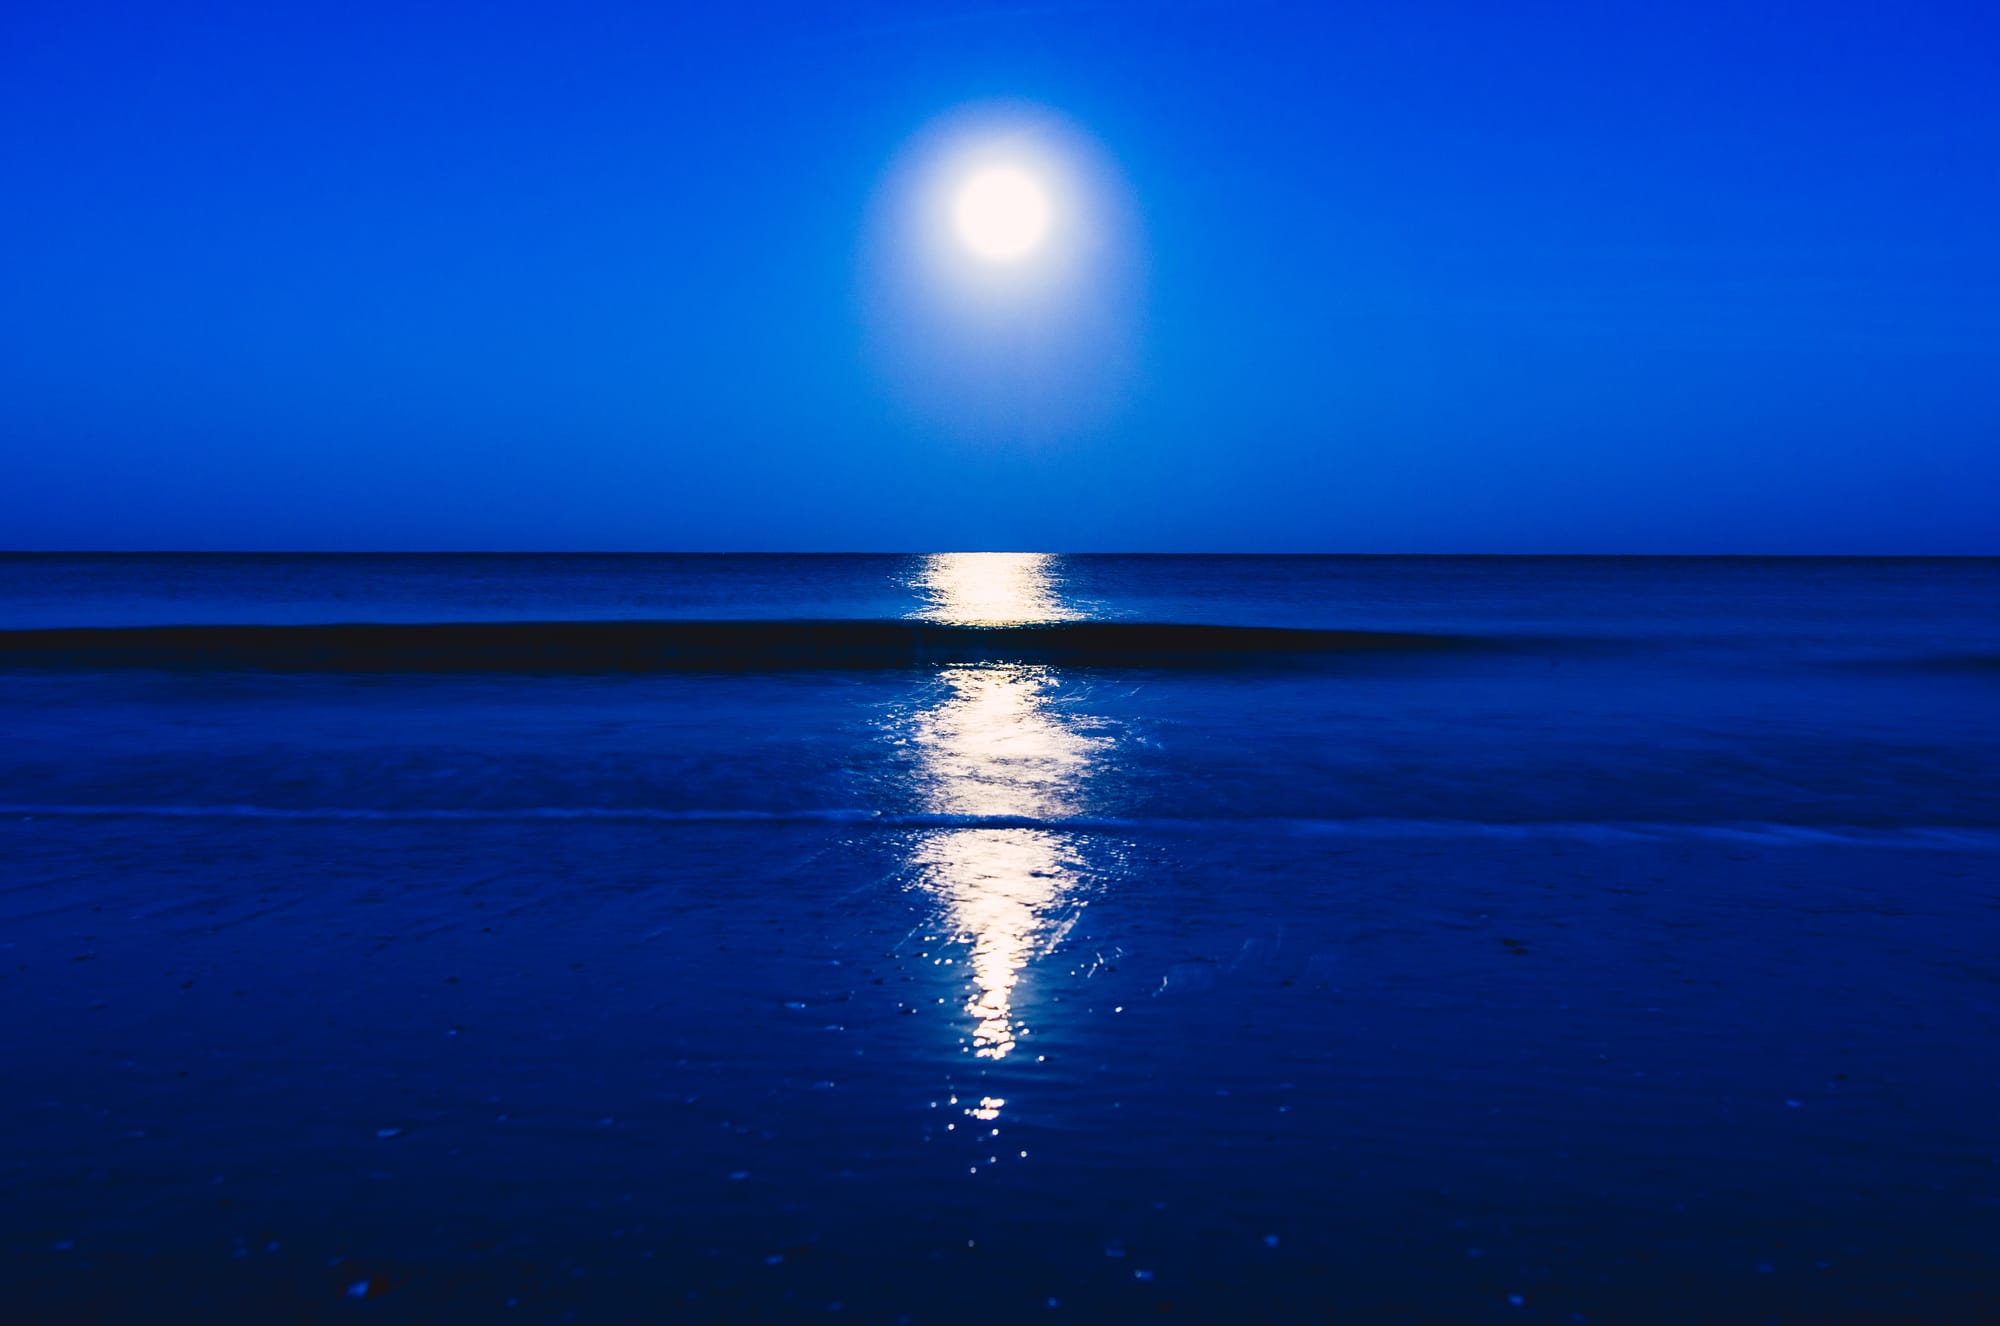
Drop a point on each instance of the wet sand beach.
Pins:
(630, 1071)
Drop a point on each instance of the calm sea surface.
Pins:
(1587, 939)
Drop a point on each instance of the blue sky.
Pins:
(1428, 277)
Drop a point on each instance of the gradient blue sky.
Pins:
(1424, 277)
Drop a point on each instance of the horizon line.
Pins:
(1007, 552)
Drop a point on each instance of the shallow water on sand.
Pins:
(1631, 961)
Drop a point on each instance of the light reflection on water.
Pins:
(997, 740)
(991, 589)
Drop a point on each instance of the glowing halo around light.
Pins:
(1001, 276)
(1001, 213)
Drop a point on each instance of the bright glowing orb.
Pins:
(1002, 214)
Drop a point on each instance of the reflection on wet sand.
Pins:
(997, 740)
(1001, 889)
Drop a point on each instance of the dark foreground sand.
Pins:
(610, 1072)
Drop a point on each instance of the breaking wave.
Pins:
(686, 646)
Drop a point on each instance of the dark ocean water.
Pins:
(939, 937)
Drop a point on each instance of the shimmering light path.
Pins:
(994, 743)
